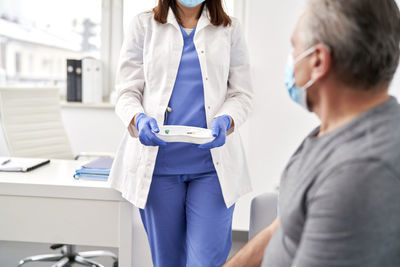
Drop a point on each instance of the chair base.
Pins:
(68, 256)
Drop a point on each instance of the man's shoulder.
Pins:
(361, 179)
(374, 139)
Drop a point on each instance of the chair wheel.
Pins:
(115, 264)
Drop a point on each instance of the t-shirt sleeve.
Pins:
(352, 219)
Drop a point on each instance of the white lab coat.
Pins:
(147, 70)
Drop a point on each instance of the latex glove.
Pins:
(147, 126)
(219, 128)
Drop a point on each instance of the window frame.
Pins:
(111, 42)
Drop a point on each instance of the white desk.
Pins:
(48, 205)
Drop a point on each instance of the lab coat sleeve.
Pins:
(130, 79)
(239, 97)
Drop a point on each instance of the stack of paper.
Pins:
(96, 169)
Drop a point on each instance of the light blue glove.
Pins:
(147, 126)
(219, 128)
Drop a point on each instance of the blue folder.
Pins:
(96, 169)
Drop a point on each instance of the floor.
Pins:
(12, 252)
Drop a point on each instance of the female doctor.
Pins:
(183, 63)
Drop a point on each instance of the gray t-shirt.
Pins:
(339, 197)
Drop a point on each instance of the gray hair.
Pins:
(363, 35)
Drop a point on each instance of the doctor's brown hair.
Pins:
(217, 13)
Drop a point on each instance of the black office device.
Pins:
(74, 80)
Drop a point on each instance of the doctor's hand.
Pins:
(147, 126)
(219, 128)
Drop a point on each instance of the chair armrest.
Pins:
(263, 212)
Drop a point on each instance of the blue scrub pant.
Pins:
(187, 222)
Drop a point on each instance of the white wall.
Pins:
(277, 125)
(395, 86)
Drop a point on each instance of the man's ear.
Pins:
(321, 62)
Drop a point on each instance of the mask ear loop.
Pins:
(308, 85)
(304, 95)
(304, 55)
(310, 82)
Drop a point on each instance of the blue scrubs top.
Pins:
(187, 103)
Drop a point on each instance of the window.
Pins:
(37, 36)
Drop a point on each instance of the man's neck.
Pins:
(345, 104)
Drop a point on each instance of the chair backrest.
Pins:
(32, 123)
(263, 212)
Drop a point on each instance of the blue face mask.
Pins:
(191, 3)
(297, 94)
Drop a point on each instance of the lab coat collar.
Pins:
(202, 23)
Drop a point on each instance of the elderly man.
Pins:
(339, 202)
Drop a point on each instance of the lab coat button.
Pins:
(206, 78)
(209, 107)
(202, 51)
(169, 109)
(217, 163)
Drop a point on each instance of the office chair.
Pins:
(32, 124)
(33, 127)
(263, 212)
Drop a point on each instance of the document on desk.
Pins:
(13, 164)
